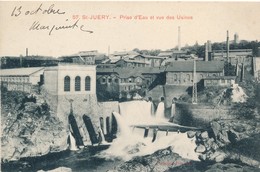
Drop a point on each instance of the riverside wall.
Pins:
(200, 115)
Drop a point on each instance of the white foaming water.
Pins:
(136, 112)
(238, 94)
(130, 142)
(160, 111)
(73, 146)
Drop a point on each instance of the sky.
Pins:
(120, 25)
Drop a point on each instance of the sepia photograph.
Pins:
(141, 86)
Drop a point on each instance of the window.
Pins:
(116, 80)
(175, 77)
(87, 83)
(103, 80)
(77, 83)
(109, 80)
(67, 83)
(188, 77)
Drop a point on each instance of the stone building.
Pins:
(181, 72)
(221, 81)
(68, 84)
(118, 82)
(256, 68)
(21, 79)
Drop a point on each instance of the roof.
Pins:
(201, 66)
(20, 71)
(220, 77)
(136, 61)
(123, 53)
(165, 53)
(126, 72)
(153, 57)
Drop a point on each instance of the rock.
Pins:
(191, 134)
(200, 149)
(30, 107)
(233, 136)
(203, 157)
(204, 135)
(216, 127)
(208, 143)
(29, 120)
(217, 156)
(131, 149)
(159, 161)
(239, 128)
(59, 169)
(223, 137)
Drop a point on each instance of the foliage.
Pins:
(229, 70)
(154, 52)
(249, 108)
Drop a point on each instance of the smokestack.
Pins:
(206, 52)
(209, 50)
(227, 46)
(26, 52)
(179, 38)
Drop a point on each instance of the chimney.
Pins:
(206, 52)
(179, 38)
(26, 52)
(227, 46)
(209, 50)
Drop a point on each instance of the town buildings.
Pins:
(21, 79)
(220, 81)
(181, 72)
(235, 56)
(120, 82)
(84, 57)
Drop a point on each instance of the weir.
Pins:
(75, 130)
(91, 130)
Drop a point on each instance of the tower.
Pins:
(227, 46)
(206, 52)
(236, 38)
(179, 38)
(194, 87)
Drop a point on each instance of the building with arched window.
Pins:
(181, 72)
(77, 83)
(87, 83)
(68, 79)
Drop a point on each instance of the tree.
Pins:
(229, 70)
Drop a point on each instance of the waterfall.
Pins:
(102, 137)
(130, 143)
(160, 111)
(72, 140)
(238, 94)
(136, 112)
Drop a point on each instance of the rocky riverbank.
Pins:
(228, 145)
(28, 127)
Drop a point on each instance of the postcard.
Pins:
(129, 86)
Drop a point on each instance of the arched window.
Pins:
(77, 83)
(188, 77)
(87, 83)
(67, 83)
(175, 77)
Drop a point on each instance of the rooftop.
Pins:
(20, 71)
(201, 66)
